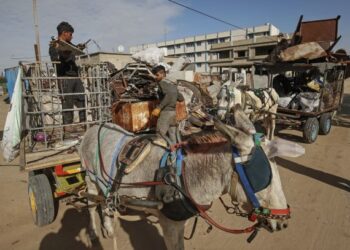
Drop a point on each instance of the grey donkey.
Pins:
(209, 174)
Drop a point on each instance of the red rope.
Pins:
(205, 216)
(143, 183)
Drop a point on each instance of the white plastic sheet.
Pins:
(180, 63)
(13, 125)
(152, 56)
(281, 147)
(309, 101)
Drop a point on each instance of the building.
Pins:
(240, 54)
(198, 48)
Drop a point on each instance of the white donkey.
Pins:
(209, 174)
(257, 108)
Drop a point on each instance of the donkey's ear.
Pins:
(230, 132)
(242, 121)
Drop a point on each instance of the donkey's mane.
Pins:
(203, 141)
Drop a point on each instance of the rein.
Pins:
(205, 216)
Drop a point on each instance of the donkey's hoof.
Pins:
(92, 235)
(107, 232)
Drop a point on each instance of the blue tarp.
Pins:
(11, 75)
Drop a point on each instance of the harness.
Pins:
(231, 94)
(187, 202)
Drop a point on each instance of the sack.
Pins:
(309, 101)
(13, 125)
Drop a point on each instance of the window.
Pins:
(198, 65)
(222, 40)
(242, 53)
(199, 54)
(189, 45)
(170, 47)
(178, 46)
(212, 41)
(263, 51)
(199, 43)
(224, 54)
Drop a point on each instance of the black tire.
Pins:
(325, 123)
(41, 200)
(310, 130)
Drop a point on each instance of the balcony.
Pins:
(222, 60)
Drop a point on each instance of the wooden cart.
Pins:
(290, 76)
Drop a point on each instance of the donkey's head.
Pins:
(227, 97)
(241, 133)
(271, 197)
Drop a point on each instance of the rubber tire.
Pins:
(311, 129)
(39, 188)
(325, 123)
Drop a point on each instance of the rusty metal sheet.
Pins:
(310, 51)
(325, 32)
(136, 117)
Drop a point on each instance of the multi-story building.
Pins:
(240, 54)
(198, 48)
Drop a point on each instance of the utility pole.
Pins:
(37, 37)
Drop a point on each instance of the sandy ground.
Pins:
(316, 185)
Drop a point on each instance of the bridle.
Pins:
(258, 213)
(229, 95)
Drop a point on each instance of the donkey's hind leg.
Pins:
(173, 232)
(272, 121)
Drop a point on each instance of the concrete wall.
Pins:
(119, 60)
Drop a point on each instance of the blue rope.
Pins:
(164, 159)
(179, 159)
(244, 180)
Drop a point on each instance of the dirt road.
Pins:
(316, 185)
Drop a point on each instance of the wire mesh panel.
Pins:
(45, 104)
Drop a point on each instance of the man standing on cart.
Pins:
(66, 67)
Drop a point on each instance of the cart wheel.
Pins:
(325, 123)
(41, 199)
(310, 131)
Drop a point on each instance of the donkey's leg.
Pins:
(173, 232)
(272, 121)
(108, 222)
(92, 189)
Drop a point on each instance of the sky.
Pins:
(112, 23)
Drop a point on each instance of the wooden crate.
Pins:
(136, 116)
(181, 112)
